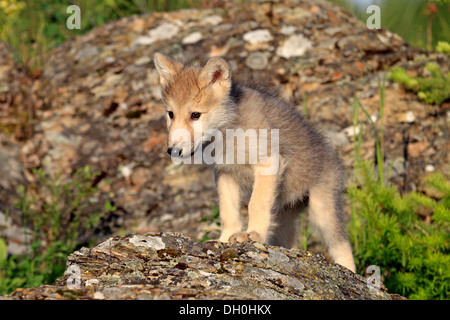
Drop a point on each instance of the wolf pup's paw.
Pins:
(244, 236)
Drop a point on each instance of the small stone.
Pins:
(257, 61)
(294, 46)
(99, 296)
(257, 36)
(164, 32)
(143, 41)
(126, 170)
(86, 52)
(337, 139)
(351, 131)
(410, 117)
(406, 117)
(287, 30)
(142, 60)
(214, 20)
(192, 38)
(429, 168)
(110, 60)
(416, 149)
(398, 167)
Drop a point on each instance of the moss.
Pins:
(434, 89)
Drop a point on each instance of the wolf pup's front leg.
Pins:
(259, 208)
(229, 202)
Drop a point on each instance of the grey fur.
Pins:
(310, 173)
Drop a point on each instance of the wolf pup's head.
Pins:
(195, 100)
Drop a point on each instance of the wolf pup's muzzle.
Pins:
(176, 152)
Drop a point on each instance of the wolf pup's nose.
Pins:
(174, 151)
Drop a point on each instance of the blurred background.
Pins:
(422, 23)
(32, 27)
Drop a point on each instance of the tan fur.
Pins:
(229, 200)
(308, 170)
(259, 208)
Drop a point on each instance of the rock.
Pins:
(337, 139)
(213, 20)
(257, 36)
(143, 40)
(257, 61)
(10, 166)
(164, 32)
(294, 46)
(192, 38)
(417, 148)
(14, 235)
(97, 102)
(287, 30)
(407, 117)
(172, 266)
(351, 131)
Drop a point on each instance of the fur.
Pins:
(309, 171)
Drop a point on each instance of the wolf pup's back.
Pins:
(256, 142)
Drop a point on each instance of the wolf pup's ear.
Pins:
(167, 68)
(216, 71)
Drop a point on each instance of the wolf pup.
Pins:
(308, 171)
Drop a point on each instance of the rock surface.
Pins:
(172, 266)
(97, 102)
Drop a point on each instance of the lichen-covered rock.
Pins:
(97, 102)
(172, 266)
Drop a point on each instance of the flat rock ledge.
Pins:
(172, 266)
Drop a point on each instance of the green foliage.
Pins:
(388, 230)
(433, 89)
(443, 47)
(413, 254)
(3, 251)
(33, 27)
(214, 217)
(55, 211)
(421, 23)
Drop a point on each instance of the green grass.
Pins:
(422, 23)
(54, 211)
(434, 89)
(388, 229)
(214, 217)
(33, 27)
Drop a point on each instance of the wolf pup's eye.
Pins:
(170, 114)
(195, 115)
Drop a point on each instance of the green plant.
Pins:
(33, 27)
(412, 254)
(421, 23)
(214, 217)
(443, 47)
(388, 230)
(433, 89)
(54, 210)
